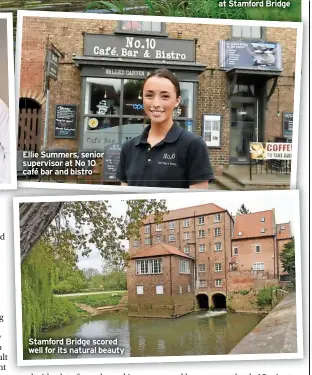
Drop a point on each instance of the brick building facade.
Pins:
(240, 105)
(229, 254)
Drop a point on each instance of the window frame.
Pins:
(201, 220)
(120, 30)
(257, 246)
(136, 243)
(171, 235)
(218, 229)
(262, 34)
(216, 265)
(171, 225)
(201, 231)
(157, 239)
(149, 266)
(140, 286)
(204, 247)
(186, 263)
(256, 266)
(158, 228)
(186, 236)
(235, 248)
(216, 246)
(201, 270)
(214, 219)
(202, 283)
(157, 286)
(147, 229)
(262, 230)
(216, 283)
(189, 249)
(186, 221)
(147, 241)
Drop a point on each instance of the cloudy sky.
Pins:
(286, 204)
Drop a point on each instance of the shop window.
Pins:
(133, 101)
(141, 27)
(248, 32)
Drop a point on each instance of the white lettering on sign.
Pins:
(170, 55)
(108, 51)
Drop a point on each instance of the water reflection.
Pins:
(194, 334)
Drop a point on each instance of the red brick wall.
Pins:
(247, 254)
(66, 35)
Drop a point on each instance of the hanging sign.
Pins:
(287, 124)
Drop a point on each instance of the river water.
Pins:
(200, 333)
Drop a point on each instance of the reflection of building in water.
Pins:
(215, 80)
(198, 257)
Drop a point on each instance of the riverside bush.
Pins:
(264, 297)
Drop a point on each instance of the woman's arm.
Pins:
(200, 185)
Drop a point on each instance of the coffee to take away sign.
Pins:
(139, 47)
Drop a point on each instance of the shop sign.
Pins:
(250, 55)
(126, 73)
(65, 121)
(139, 47)
(52, 64)
(287, 124)
(212, 130)
(270, 151)
(111, 160)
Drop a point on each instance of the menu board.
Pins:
(287, 124)
(65, 121)
(111, 160)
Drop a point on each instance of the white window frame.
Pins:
(186, 235)
(235, 250)
(201, 220)
(147, 241)
(259, 246)
(140, 289)
(217, 268)
(171, 238)
(262, 230)
(201, 233)
(158, 228)
(159, 289)
(216, 243)
(158, 239)
(218, 283)
(258, 266)
(203, 247)
(186, 223)
(217, 218)
(202, 283)
(184, 266)
(201, 269)
(136, 243)
(147, 229)
(282, 227)
(217, 232)
(188, 251)
(262, 220)
(148, 266)
(171, 224)
(240, 233)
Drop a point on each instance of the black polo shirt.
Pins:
(178, 161)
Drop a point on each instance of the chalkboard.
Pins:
(65, 121)
(111, 160)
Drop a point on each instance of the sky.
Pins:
(285, 202)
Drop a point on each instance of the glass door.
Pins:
(243, 129)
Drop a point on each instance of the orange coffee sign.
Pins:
(270, 150)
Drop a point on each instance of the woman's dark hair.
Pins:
(165, 73)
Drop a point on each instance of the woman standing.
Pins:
(4, 144)
(164, 155)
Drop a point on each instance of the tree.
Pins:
(90, 272)
(242, 210)
(82, 226)
(287, 258)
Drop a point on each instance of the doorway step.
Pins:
(237, 177)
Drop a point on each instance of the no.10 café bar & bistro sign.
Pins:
(117, 46)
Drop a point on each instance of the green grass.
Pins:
(97, 300)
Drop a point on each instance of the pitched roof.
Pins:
(187, 212)
(283, 234)
(251, 226)
(158, 250)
